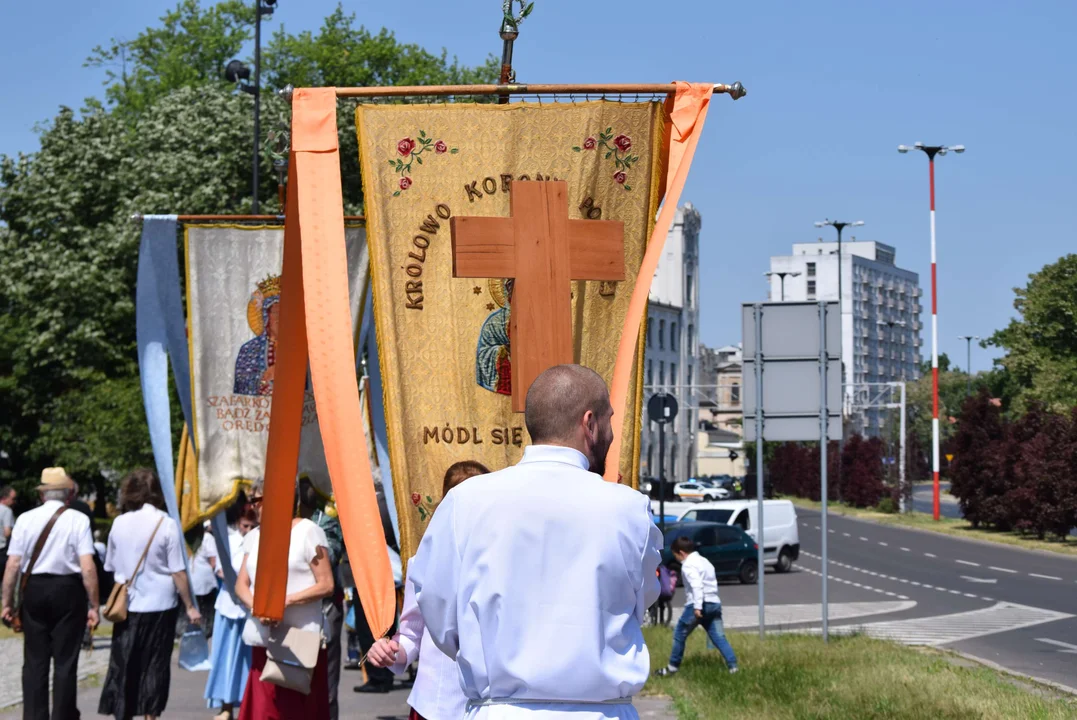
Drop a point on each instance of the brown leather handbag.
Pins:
(116, 607)
(16, 623)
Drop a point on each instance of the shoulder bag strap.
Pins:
(146, 551)
(37, 549)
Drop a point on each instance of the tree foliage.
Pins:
(172, 137)
(1041, 345)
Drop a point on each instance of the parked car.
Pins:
(726, 547)
(698, 492)
(781, 540)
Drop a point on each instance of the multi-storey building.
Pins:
(672, 347)
(880, 323)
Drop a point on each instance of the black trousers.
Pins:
(375, 675)
(53, 620)
(333, 609)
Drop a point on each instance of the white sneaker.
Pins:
(732, 671)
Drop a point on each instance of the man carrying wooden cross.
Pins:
(536, 579)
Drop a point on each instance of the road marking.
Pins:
(816, 527)
(957, 592)
(884, 544)
(930, 555)
(989, 581)
(913, 582)
(945, 629)
(863, 538)
(970, 595)
(1044, 577)
(1067, 648)
(905, 550)
(830, 531)
(846, 534)
(929, 587)
(998, 569)
(966, 562)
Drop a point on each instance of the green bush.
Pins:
(887, 505)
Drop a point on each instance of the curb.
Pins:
(1012, 673)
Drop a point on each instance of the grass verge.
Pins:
(797, 677)
(945, 526)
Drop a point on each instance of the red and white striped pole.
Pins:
(931, 151)
(934, 352)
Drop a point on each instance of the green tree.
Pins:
(1041, 345)
(173, 138)
(189, 49)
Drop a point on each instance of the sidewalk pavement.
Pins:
(185, 701)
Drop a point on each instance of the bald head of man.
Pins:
(569, 405)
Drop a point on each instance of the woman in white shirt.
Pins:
(436, 693)
(139, 669)
(309, 580)
(230, 659)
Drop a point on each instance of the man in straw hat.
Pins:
(60, 598)
(536, 578)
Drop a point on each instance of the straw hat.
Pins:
(56, 478)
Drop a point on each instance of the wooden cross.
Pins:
(543, 251)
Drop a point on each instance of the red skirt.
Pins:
(266, 701)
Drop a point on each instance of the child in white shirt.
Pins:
(702, 606)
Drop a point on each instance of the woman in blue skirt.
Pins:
(230, 656)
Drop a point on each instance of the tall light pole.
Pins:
(236, 71)
(931, 151)
(968, 360)
(839, 226)
(782, 274)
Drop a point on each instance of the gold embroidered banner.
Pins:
(233, 293)
(444, 343)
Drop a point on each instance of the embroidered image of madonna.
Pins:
(257, 357)
(493, 365)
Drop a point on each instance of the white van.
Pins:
(781, 540)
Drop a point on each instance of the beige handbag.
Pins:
(291, 656)
(116, 607)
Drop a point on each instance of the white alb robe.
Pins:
(536, 579)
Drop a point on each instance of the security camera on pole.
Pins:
(931, 151)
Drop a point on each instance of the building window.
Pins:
(650, 372)
(811, 288)
(650, 334)
(691, 339)
(674, 338)
(689, 374)
(734, 394)
(811, 269)
(661, 372)
(661, 334)
(688, 287)
(673, 379)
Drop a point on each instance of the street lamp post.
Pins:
(237, 71)
(931, 151)
(839, 226)
(781, 274)
(968, 360)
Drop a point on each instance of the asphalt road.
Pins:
(996, 603)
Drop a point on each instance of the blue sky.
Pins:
(834, 87)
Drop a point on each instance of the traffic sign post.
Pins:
(796, 348)
(662, 409)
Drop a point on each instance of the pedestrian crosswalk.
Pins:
(945, 629)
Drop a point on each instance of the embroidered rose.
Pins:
(416, 498)
(405, 146)
(405, 183)
(623, 142)
(589, 144)
(619, 178)
(440, 147)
